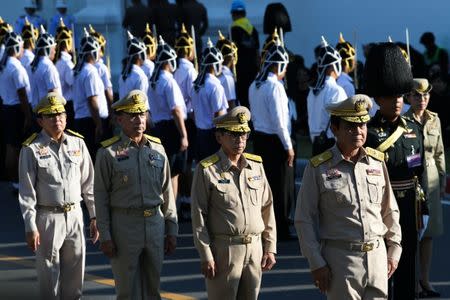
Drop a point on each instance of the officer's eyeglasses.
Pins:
(420, 96)
(54, 116)
(237, 135)
(132, 117)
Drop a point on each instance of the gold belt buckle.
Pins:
(366, 247)
(246, 240)
(67, 207)
(148, 213)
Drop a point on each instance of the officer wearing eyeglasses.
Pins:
(55, 174)
(232, 213)
(136, 217)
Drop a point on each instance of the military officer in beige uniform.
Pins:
(136, 211)
(55, 174)
(347, 218)
(233, 221)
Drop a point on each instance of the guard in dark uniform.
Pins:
(388, 76)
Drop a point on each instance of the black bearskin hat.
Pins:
(386, 72)
(276, 16)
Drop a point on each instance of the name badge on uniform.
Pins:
(74, 152)
(254, 178)
(410, 135)
(45, 156)
(375, 172)
(333, 174)
(414, 160)
(223, 180)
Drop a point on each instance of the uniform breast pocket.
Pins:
(336, 192)
(255, 187)
(123, 174)
(73, 165)
(375, 188)
(155, 170)
(225, 195)
(433, 135)
(49, 170)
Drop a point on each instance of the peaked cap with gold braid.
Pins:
(235, 120)
(227, 47)
(347, 52)
(149, 41)
(354, 109)
(52, 103)
(134, 102)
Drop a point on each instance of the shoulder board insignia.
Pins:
(375, 153)
(253, 157)
(209, 161)
(153, 138)
(75, 133)
(110, 141)
(30, 139)
(321, 158)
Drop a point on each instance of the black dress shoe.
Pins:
(426, 293)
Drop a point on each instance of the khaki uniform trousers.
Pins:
(357, 275)
(238, 270)
(61, 255)
(137, 265)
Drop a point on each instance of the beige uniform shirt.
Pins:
(54, 174)
(346, 201)
(226, 201)
(131, 176)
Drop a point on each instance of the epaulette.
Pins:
(110, 141)
(378, 155)
(210, 160)
(153, 139)
(30, 139)
(321, 158)
(253, 157)
(75, 133)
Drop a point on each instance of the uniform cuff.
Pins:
(30, 226)
(206, 254)
(316, 262)
(171, 228)
(270, 247)
(394, 252)
(91, 211)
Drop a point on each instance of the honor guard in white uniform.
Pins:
(30, 10)
(208, 101)
(150, 45)
(184, 75)
(89, 101)
(133, 76)
(326, 91)
(347, 53)
(65, 65)
(15, 94)
(227, 77)
(55, 174)
(233, 222)
(29, 36)
(169, 111)
(44, 76)
(136, 212)
(346, 217)
(103, 70)
(270, 111)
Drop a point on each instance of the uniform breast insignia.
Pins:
(254, 178)
(321, 158)
(74, 152)
(75, 133)
(333, 174)
(410, 135)
(378, 155)
(30, 139)
(223, 179)
(152, 138)
(43, 152)
(110, 141)
(253, 157)
(382, 134)
(209, 161)
(154, 156)
(374, 172)
(125, 179)
(122, 153)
